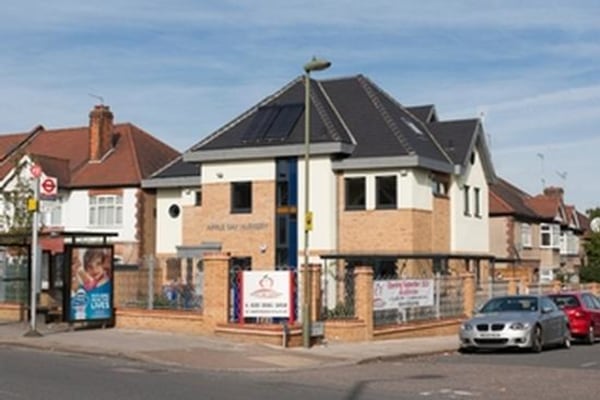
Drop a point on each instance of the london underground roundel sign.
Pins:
(49, 186)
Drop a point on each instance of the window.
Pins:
(174, 211)
(526, 235)
(355, 193)
(438, 188)
(477, 200)
(385, 195)
(198, 197)
(467, 210)
(106, 210)
(550, 235)
(53, 212)
(241, 197)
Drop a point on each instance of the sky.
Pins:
(182, 69)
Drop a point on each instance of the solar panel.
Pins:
(272, 123)
(284, 123)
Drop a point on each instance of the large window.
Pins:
(385, 195)
(525, 235)
(53, 212)
(355, 193)
(241, 197)
(106, 210)
(550, 235)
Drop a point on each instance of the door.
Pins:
(592, 304)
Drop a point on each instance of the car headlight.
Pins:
(519, 326)
(467, 327)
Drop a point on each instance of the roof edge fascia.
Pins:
(164, 183)
(249, 153)
(409, 161)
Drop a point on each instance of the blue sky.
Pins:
(181, 69)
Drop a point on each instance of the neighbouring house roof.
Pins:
(507, 199)
(353, 120)
(64, 153)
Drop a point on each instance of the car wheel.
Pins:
(536, 340)
(591, 337)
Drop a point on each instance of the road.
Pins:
(554, 374)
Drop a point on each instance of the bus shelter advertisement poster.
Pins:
(91, 292)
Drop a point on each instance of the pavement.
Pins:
(213, 353)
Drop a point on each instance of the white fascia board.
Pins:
(266, 152)
(182, 181)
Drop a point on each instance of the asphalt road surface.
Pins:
(553, 374)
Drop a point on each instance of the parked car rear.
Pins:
(583, 311)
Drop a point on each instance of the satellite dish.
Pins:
(595, 224)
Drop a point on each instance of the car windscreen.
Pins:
(565, 300)
(510, 304)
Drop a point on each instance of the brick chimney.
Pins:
(101, 131)
(554, 192)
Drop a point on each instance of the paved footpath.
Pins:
(212, 353)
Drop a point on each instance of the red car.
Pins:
(583, 310)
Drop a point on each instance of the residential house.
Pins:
(536, 238)
(99, 169)
(389, 186)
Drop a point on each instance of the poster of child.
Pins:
(91, 286)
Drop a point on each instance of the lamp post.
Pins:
(313, 65)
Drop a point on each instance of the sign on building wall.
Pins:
(395, 294)
(267, 294)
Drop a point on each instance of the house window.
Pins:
(526, 235)
(477, 201)
(467, 210)
(106, 210)
(355, 193)
(550, 236)
(53, 212)
(385, 195)
(241, 197)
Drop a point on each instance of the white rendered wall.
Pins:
(255, 170)
(470, 233)
(322, 203)
(169, 229)
(75, 215)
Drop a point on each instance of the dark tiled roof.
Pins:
(425, 113)
(456, 137)
(345, 110)
(178, 169)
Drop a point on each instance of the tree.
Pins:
(17, 218)
(591, 271)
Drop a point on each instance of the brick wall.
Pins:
(241, 235)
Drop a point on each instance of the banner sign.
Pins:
(91, 277)
(266, 294)
(395, 294)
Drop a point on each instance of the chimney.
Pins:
(554, 192)
(101, 131)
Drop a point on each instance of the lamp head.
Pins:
(316, 64)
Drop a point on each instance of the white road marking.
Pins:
(588, 364)
(451, 393)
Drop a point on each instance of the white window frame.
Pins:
(105, 210)
(526, 242)
(553, 232)
(477, 201)
(466, 202)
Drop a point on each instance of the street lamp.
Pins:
(313, 65)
